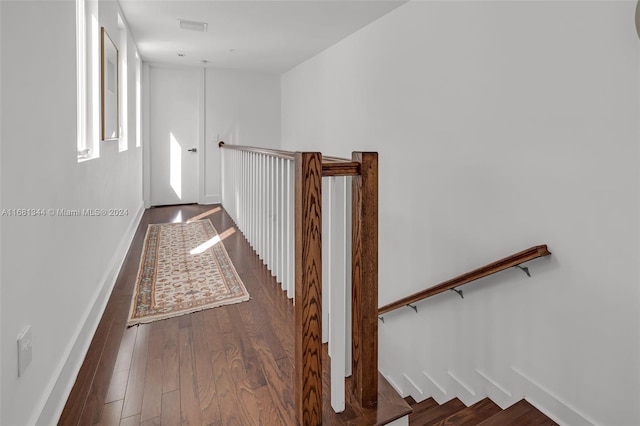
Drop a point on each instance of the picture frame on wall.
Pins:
(109, 88)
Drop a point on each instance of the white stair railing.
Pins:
(259, 193)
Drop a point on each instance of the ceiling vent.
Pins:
(193, 25)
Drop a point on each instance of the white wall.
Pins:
(57, 272)
(242, 108)
(500, 125)
(239, 107)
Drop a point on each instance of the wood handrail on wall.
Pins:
(500, 265)
(310, 167)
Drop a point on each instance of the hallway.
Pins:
(229, 365)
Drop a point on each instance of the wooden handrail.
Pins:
(340, 168)
(331, 166)
(287, 155)
(492, 268)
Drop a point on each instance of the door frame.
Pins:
(146, 142)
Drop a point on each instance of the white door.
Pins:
(174, 135)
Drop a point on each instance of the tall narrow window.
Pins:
(138, 101)
(81, 80)
(87, 80)
(124, 99)
(93, 106)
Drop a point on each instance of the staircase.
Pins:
(485, 413)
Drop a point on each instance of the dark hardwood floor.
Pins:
(231, 365)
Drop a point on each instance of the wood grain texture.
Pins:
(340, 168)
(390, 405)
(437, 413)
(484, 413)
(125, 353)
(170, 408)
(520, 413)
(264, 337)
(101, 380)
(170, 368)
(364, 274)
(111, 414)
(135, 383)
(152, 397)
(422, 406)
(308, 288)
(472, 415)
(491, 268)
(118, 386)
(189, 404)
(206, 337)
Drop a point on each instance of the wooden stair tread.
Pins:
(482, 413)
(390, 406)
(521, 413)
(422, 406)
(472, 415)
(437, 413)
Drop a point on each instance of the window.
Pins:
(87, 80)
(81, 78)
(123, 143)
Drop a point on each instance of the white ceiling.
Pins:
(252, 35)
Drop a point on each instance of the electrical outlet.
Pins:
(24, 350)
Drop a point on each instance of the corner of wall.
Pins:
(212, 199)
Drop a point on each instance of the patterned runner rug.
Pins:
(184, 268)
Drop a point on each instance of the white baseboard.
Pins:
(551, 405)
(415, 390)
(521, 386)
(436, 390)
(394, 384)
(212, 199)
(464, 390)
(50, 407)
(497, 392)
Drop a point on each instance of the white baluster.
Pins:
(338, 280)
(290, 231)
(348, 294)
(272, 218)
(270, 213)
(252, 209)
(276, 219)
(260, 193)
(233, 189)
(263, 209)
(327, 182)
(228, 186)
(281, 221)
(239, 191)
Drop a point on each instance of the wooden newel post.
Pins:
(308, 288)
(364, 252)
